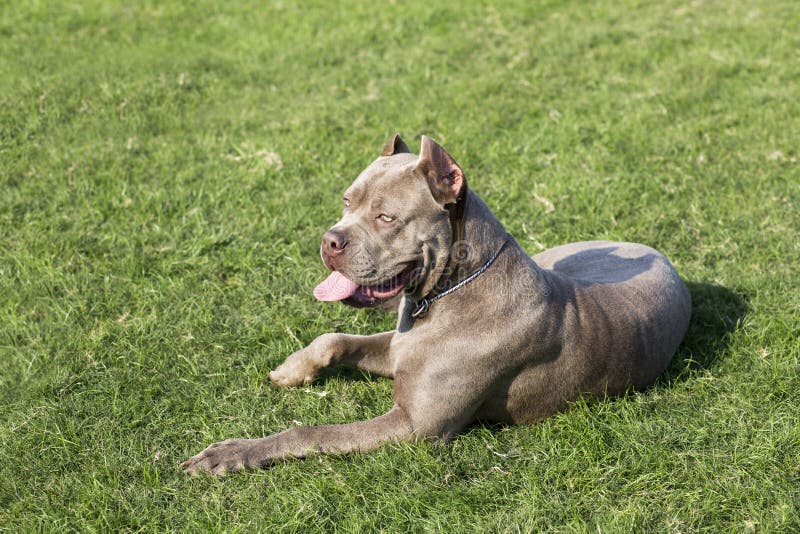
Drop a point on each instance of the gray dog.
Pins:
(485, 332)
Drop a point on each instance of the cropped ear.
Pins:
(445, 178)
(395, 145)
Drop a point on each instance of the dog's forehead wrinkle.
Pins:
(398, 196)
(354, 193)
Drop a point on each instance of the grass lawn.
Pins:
(166, 172)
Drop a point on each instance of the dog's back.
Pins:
(621, 311)
(631, 307)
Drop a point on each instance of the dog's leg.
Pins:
(299, 442)
(370, 353)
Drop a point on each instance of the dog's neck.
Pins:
(477, 235)
(482, 241)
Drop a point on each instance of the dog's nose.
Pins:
(333, 242)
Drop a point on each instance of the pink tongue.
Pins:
(335, 287)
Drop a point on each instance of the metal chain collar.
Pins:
(421, 306)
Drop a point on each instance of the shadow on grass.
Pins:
(717, 312)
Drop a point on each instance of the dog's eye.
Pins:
(346, 202)
(385, 218)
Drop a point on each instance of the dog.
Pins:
(484, 331)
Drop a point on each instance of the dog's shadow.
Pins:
(717, 313)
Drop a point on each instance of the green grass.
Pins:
(166, 173)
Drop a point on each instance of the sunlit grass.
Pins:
(166, 173)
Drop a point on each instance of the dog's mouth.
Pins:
(337, 287)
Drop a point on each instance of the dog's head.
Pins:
(395, 233)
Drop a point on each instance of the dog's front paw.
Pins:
(224, 457)
(295, 371)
